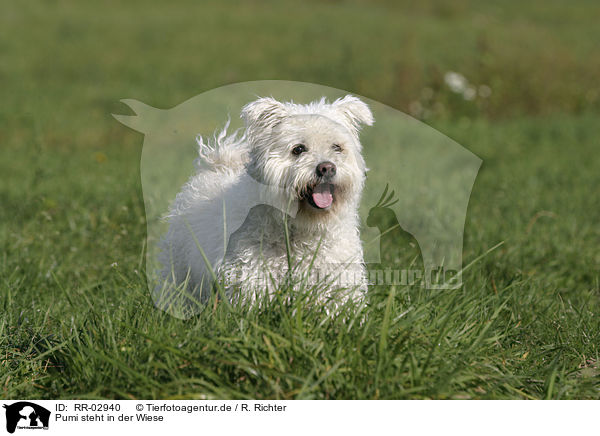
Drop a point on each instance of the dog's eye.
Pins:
(298, 149)
(337, 148)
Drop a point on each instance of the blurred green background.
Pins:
(515, 82)
(62, 60)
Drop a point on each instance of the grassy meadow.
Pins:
(76, 317)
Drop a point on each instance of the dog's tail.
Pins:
(223, 153)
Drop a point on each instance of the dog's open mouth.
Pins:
(321, 196)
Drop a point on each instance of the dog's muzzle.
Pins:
(320, 196)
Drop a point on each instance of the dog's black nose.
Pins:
(326, 169)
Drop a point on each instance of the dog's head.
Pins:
(310, 151)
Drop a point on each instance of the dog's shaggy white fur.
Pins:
(283, 193)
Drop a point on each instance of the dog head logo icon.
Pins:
(26, 415)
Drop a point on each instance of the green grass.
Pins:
(76, 318)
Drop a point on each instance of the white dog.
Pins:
(278, 202)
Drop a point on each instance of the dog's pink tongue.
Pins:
(322, 195)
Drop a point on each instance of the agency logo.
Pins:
(26, 415)
(410, 219)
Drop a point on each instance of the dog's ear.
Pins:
(354, 111)
(264, 113)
